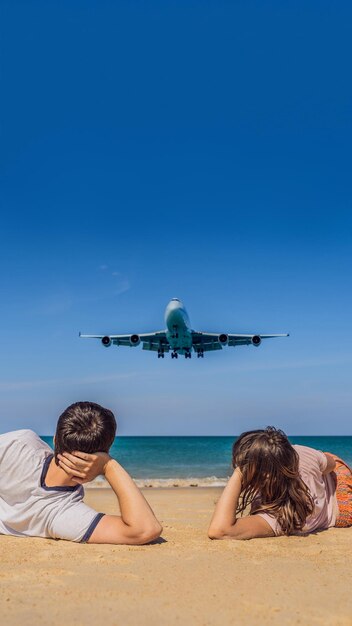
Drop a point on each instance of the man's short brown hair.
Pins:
(85, 427)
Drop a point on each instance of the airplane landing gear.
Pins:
(161, 353)
(200, 354)
(174, 355)
(188, 354)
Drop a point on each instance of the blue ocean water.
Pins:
(207, 460)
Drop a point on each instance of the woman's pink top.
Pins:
(322, 488)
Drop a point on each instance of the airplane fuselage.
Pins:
(178, 326)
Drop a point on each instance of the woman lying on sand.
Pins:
(291, 489)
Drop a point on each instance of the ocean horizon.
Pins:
(200, 461)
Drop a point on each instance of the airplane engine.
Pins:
(256, 340)
(106, 341)
(135, 340)
(223, 339)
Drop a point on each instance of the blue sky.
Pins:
(192, 149)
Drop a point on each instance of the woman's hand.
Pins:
(83, 467)
(239, 473)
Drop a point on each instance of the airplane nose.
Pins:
(174, 305)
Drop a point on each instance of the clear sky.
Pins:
(199, 150)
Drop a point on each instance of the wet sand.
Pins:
(185, 579)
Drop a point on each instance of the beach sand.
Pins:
(186, 579)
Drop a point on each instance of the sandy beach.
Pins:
(184, 579)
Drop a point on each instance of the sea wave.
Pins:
(157, 483)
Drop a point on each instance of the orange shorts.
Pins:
(343, 493)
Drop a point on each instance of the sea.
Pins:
(194, 461)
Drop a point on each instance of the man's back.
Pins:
(27, 506)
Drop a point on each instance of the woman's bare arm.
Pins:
(224, 524)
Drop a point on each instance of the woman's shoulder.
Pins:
(311, 459)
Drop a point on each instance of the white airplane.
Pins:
(179, 336)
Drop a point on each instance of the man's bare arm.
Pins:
(137, 523)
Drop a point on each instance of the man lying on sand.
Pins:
(41, 493)
(291, 489)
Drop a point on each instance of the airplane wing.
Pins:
(216, 341)
(155, 341)
(150, 341)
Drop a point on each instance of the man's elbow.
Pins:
(148, 533)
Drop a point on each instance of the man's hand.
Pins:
(83, 467)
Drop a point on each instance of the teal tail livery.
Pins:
(179, 338)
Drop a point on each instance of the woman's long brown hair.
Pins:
(270, 478)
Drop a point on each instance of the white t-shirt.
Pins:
(28, 508)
